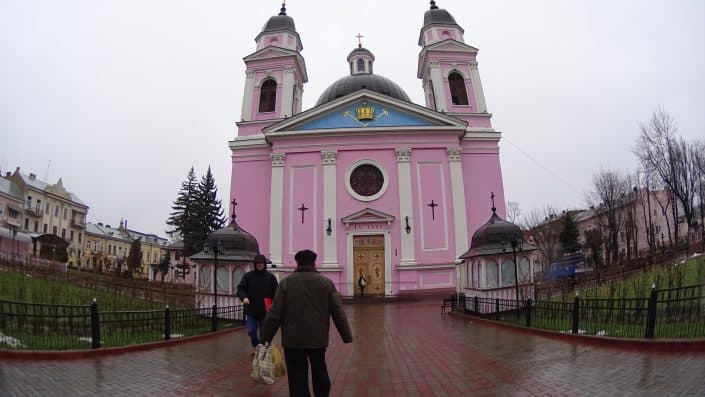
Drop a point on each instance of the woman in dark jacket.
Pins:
(255, 286)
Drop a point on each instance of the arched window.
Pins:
(267, 96)
(360, 65)
(491, 274)
(457, 89)
(524, 270)
(507, 273)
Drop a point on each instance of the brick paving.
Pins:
(400, 349)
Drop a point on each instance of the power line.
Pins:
(540, 165)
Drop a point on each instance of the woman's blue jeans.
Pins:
(254, 327)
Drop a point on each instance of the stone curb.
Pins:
(672, 346)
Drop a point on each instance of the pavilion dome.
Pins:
(238, 244)
(488, 239)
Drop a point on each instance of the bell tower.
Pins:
(448, 67)
(276, 72)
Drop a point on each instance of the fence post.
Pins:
(95, 325)
(651, 313)
(214, 318)
(167, 323)
(476, 304)
(528, 312)
(576, 314)
(496, 308)
(461, 302)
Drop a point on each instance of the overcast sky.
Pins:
(121, 98)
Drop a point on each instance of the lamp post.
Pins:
(517, 244)
(217, 248)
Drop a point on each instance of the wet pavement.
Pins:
(400, 349)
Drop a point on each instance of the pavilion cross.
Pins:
(433, 206)
(302, 209)
(493, 207)
(359, 40)
(234, 204)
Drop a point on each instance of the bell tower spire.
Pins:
(448, 67)
(276, 72)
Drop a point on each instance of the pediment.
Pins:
(365, 109)
(451, 45)
(270, 52)
(368, 215)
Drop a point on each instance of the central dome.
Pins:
(373, 82)
(361, 78)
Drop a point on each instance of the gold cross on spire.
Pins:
(359, 40)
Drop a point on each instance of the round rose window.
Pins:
(366, 180)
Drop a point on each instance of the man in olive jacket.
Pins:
(304, 303)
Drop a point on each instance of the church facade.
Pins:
(378, 186)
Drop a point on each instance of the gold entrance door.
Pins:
(368, 261)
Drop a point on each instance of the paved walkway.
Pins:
(400, 349)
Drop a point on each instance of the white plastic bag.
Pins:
(263, 365)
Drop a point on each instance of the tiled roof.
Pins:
(9, 188)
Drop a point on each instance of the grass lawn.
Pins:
(18, 287)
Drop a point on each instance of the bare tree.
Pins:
(698, 156)
(513, 211)
(545, 228)
(609, 195)
(661, 151)
(644, 202)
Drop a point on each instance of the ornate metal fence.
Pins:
(675, 313)
(62, 327)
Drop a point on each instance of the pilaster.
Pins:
(246, 114)
(477, 88)
(330, 254)
(458, 194)
(406, 215)
(276, 208)
(439, 96)
(287, 100)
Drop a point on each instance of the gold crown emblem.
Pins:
(365, 112)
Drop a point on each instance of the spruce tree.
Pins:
(210, 208)
(569, 235)
(184, 218)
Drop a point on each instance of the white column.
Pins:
(458, 193)
(405, 209)
(246, 114)
(276, 208)
(437, 84)
(330, 254)
(287, 102)
(477, 88)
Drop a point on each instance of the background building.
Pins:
(51, 209)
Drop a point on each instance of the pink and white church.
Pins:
(377, 185)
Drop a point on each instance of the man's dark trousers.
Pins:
(297, 370)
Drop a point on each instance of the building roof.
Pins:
(39, 184)
(10, 189)
(437, 15)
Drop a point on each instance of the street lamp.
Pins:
(217, 248)
(517, 244)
